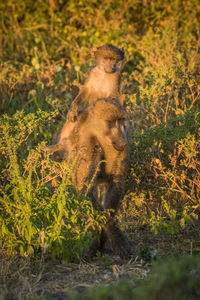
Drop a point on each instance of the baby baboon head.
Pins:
(108, 56)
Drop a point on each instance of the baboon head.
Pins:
(107, 123)
(108, 56)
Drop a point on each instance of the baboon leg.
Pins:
(118, 240)
(92, 194)
(98, 243)
(85, 174)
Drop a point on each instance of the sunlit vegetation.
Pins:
(45, 55)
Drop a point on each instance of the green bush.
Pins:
(165, 167)
(39, 210)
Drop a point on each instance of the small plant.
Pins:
(148, 254)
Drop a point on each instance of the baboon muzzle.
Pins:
(119, 145)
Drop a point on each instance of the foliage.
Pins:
(175, 278)
(40, 212)
(45, 53)
(169, 154)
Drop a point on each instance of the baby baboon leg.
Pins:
(53, 148)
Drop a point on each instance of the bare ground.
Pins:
(25, 278)
(57, 279)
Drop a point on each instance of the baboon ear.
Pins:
(94, 50)
(122, 49)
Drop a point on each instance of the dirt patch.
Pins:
(45, 279)
(21, 278)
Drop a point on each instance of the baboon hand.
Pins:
(72, 115)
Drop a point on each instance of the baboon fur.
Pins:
(104, 79)
(108, 50)
(99, 143)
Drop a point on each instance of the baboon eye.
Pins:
(109, 58)
(111, 123)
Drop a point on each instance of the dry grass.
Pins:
(37, 279)
(42, 278)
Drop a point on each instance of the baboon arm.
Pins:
(118, 240)
(121, 88)
(81, 97)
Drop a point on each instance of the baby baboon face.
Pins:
(108, 56)
(108, 64)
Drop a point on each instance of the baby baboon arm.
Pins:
(121, 88)
(122, 98)
(73, 112)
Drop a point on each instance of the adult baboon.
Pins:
(98, 141)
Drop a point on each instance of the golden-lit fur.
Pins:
(104, 80)
(98, 142)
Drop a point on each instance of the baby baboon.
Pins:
(104, 80)
(98, 141)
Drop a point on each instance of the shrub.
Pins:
(39, 210)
